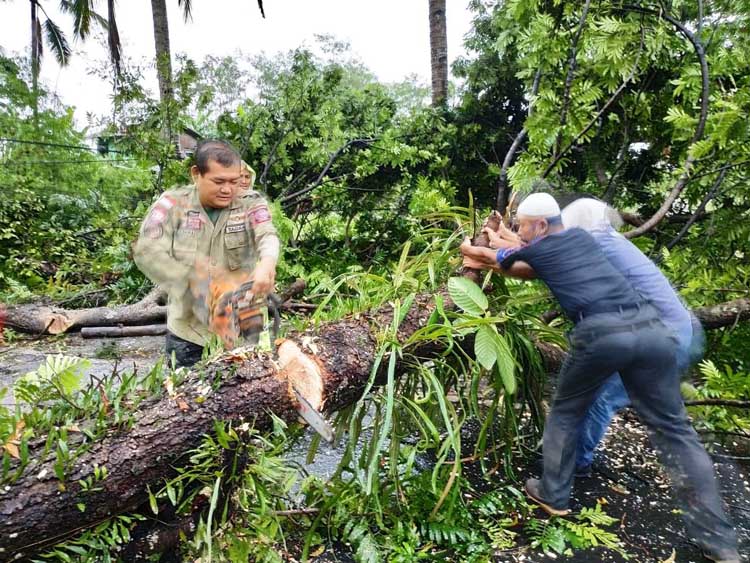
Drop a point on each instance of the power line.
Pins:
(35, 162)
(48, 144)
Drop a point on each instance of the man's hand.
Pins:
(483, 258)
(474, 264)
(498, 240)
(264, 277)
(509, 235)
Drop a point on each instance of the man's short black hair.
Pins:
(217, 150)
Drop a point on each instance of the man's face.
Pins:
(245, 178)
(218, 186)
(531, 227)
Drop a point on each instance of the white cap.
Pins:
(539, 205)
(590, 215)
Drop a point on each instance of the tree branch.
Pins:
(719, 403)
(293, 196)
(688, 166)
(710, 194)
(502, 183)
(572, 66)
(556, 158)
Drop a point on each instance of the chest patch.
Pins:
(194, 221)
(236, 228)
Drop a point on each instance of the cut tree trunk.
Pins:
(47, 319)
(329, 367)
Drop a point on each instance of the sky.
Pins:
(391, 37)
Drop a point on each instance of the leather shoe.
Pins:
(533, 490)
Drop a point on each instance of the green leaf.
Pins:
(56, 39)
(485, 348)
(506, 363)
(467, 295)
(152, 502)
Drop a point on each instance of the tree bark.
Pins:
(122, 331)
(724, 314)
(163, 59)
(329, 367)
(482, 239)
(439, 52)
(45, 319)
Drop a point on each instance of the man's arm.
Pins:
(152, 251)
(482, 258)
(266, 242)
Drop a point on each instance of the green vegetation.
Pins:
(373, 191)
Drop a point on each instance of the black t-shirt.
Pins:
(577, 272)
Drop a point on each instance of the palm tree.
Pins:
(439, 52)
(83, 14)
(163, 53)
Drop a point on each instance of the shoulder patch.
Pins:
(259, 214)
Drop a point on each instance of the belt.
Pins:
(615, 309)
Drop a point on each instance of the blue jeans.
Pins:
(612, 395)
(638, 346)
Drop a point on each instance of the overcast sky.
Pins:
(390, 36)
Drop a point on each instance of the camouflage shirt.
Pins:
(177, 240)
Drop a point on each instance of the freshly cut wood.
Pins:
(122, 331)
(330, 367)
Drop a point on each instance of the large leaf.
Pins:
(467, 295)
(58, 43)
(485, 348)
(506, 364)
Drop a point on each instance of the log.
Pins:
(482, 239)
(48, 319)
(122, 331)
(724, 314)
(329, 366)
(44, 319)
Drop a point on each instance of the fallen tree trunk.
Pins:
(122, 331)
(48, 319)
(724, 314)
(329, 367)
(45, 319)
(711, 316)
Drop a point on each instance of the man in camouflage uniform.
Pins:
(208, 232)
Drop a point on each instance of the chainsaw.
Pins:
(240, 319)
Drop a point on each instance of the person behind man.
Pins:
(597, 218)
(616, 330)
(247, 177)
(208, 230)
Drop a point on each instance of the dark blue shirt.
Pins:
(577, 272)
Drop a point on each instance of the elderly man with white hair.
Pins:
(599, 219)
(616, 330)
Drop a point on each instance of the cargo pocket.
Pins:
(237, 249)
(184, 249)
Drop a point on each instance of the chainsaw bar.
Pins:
(313, 417)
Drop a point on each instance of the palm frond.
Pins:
(187, 9)
(113, 37)
(82, 11)
(58, 42)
